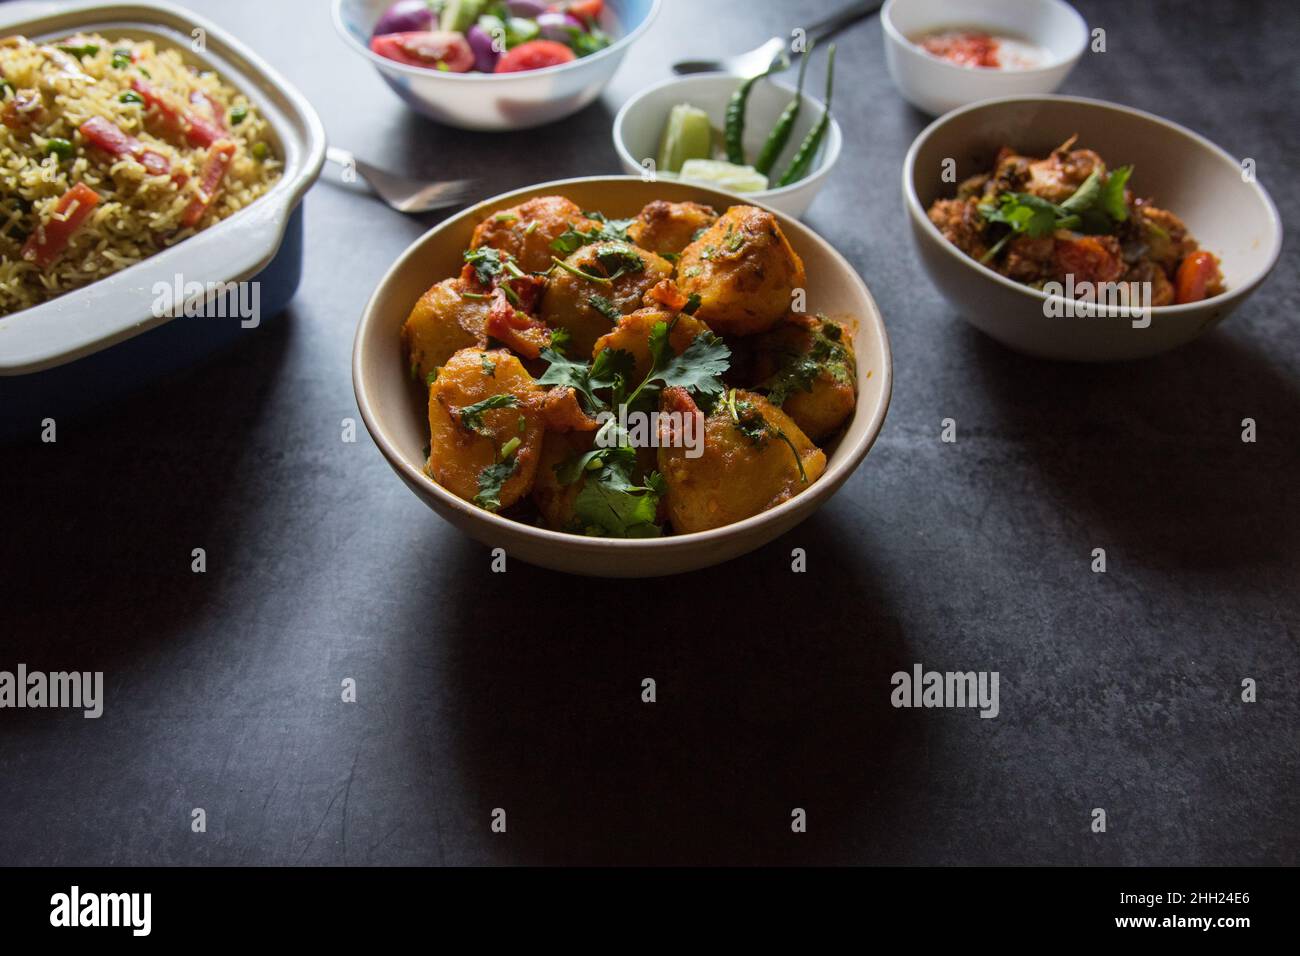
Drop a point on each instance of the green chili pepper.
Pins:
(59, 147)
(802, 161)
(734, 128)
(780, 134)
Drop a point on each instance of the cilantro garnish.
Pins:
(492, 478)
(1096, 207)
(605, 307)
(488, 263)
(749, 421)
(611, 502)
(608, 230)
(798, 371)
(471, 416)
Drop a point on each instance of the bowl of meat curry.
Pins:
(1075, 229)
(617, 378)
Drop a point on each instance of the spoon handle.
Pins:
(836, 22)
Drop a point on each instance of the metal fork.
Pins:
(760, 59)
(402, 192)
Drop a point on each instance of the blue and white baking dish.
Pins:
(89, 346)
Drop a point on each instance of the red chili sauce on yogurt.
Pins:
(981, 50)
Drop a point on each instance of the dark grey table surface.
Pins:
(522, 690)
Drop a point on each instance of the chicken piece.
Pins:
(632, 335)
(485, 428)
(669, 227)
(961, 224)
(744, 271)
(442, 323)
(808, 370)
(1057, 177)
(526, 231)
(1029, 259)
(1163, 235)
(754, 457)
(1146, 271)
(595, 286)
(1094, 259)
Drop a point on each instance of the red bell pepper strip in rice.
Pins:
(100, 132)
(176, 119)
(47, 243)
(209, 105)
(214, 171)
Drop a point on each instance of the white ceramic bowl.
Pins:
(1177, 169)
(499, 101)
(397, 415)
(937, 86)
(640, 124)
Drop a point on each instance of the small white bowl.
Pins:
(937, 86)
(640, 124)
(1228, 214)
(498, 101)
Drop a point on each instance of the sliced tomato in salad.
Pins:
(582, 9)
(534, 55)
(434, 49)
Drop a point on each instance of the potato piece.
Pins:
(669, 227)
(526, 231)
(574, 302)
(554, 500)
(440, 325)
(807, 368)
(746, 466)
(632, 335)
(464, 442)
(744, 270)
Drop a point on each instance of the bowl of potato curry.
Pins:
(618, 378)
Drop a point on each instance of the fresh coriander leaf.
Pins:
(489, 367)
(605, 307)
(491, 480)
(1086, 195)
(1112, 194)
(471, 416)
(619, 260)
(560, 340)
(612, 504)
(488, 263)
(699, 367)
(1024, 213)
(573, 374)
(611, 368)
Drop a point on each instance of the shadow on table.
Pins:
(1149, 453)
(103, 577)
(772, 694)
